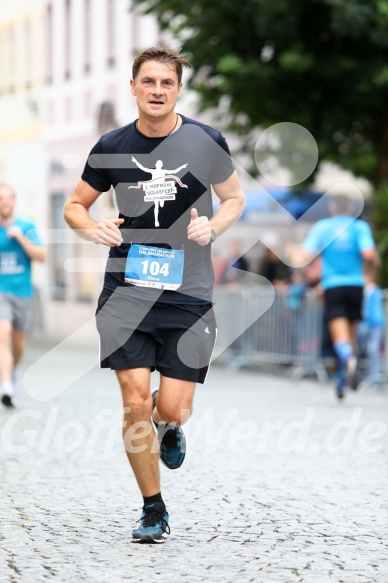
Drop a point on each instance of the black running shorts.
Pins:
(344, 302)
(176, 340)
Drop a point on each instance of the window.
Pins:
(2, 63)
(12, 57)
(87, 35)
(29, 51)
(67, 39)
(49, 43)
(88, 104)
(3, 164)
(111, 32)
(50, 113)
(58, 251)
(68, 109)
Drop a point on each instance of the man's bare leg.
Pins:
(6, 363)
(353, 334)
(174, 403)
(6, 358)
(339, 329)
(142, 449)
(140, 443)
(18, 345)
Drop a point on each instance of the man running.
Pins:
(155, 310)
(344, 244)
(19, 246)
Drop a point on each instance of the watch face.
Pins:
(213, 236)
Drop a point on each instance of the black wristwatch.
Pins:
(213, 236)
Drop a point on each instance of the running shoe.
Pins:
(153, 527)
(172, 442)
(7, 401)
(340, 388)
(154, 396)
(351, 373)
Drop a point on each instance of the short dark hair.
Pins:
(161, 54)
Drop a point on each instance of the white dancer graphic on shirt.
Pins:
(158, 189)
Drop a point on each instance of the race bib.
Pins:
(10, 263)
(154, 267)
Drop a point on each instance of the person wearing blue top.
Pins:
(19, 245)
(371, 329)
(344, 243)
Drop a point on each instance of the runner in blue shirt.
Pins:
(19, 245)
(344, 244)
(370, 331)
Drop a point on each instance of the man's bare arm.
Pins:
(232, 199)
(371, 256)
(76, 214)
(35, 252)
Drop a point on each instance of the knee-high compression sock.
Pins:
(343, 350)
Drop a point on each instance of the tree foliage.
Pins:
(319, 63)
(379, 219)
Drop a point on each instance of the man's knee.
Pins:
(177, 414)
(137, 404)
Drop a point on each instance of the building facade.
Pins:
(65, 67)
(89, 49)
(22, 154)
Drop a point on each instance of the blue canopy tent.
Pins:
(276, 201)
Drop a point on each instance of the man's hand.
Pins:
(15, 233)
(107, 233)
(34, 251)
(199, 229)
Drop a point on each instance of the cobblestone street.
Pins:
(281, 483)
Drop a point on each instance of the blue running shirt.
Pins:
(15, 264)
(340, 241)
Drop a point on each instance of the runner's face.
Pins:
(7, 202)
(156, 89)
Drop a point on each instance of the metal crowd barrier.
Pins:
(289, 332)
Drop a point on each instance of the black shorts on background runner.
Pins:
(176, 340)
(344, 302)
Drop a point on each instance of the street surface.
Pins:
(281, 483)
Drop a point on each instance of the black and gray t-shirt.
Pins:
(157, 182)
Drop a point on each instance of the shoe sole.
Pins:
(175, 467)
(351, 368)
(154, 396)
(172, 467)
(183, 454)
(151, 541)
